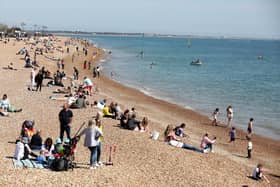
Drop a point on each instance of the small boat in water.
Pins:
(196, 62)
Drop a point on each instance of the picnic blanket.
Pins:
(27, 163)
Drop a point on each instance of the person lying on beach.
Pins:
(258, 173)
(179, 130)
(10, 67)
(63, 91)
(6, 106)
(207, 143)
(79, 103)
(172, 140)
(22, 51)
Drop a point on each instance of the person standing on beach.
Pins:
(76, 73)
(73, 58)
(250, 127)
(232, 134)
(215, 117)
(39, 80)
(85, 64)
(89, 65)
(32, 78)
(229, 115)
(250, 147)
(62, 64)
(65, 119)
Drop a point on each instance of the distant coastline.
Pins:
(125, 34)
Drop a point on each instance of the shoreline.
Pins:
(138, 157)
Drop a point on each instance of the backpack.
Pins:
(60, 164)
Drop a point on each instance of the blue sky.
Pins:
(245, 18)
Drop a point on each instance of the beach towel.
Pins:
(28, 164)
(58, 98)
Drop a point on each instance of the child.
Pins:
(41, 158)
(179, 130)
(250, 147)
(215, 117)
(258, 173)
(232, 134)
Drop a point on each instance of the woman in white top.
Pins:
(92, 134)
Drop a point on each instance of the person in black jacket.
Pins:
(65, 118)
(39, 80)
(36, 141)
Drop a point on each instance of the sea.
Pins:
(244, 73)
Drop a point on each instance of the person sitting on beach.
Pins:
(88, 85)
(106, 112)
(172, 140)
(179, 130)
(124, 119)
(118, 111)
(79, 103)
(229, 115)
(22, 150)
(258, 173)
(48, 147)
(215, 117)
(28, 63)
(6, 106)
(207, 143)
(143, 126)
(36, 141)
(28, 129)
(133, 123)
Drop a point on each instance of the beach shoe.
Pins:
(100, 163)
(206, 150)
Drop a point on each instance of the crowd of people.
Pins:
(31, 141)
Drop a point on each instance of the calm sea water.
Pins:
(231, 74)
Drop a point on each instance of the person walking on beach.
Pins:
(215, 117)
(65, 119)
(229, 115)
(73, 58)
(92, 134)
(62, 64)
